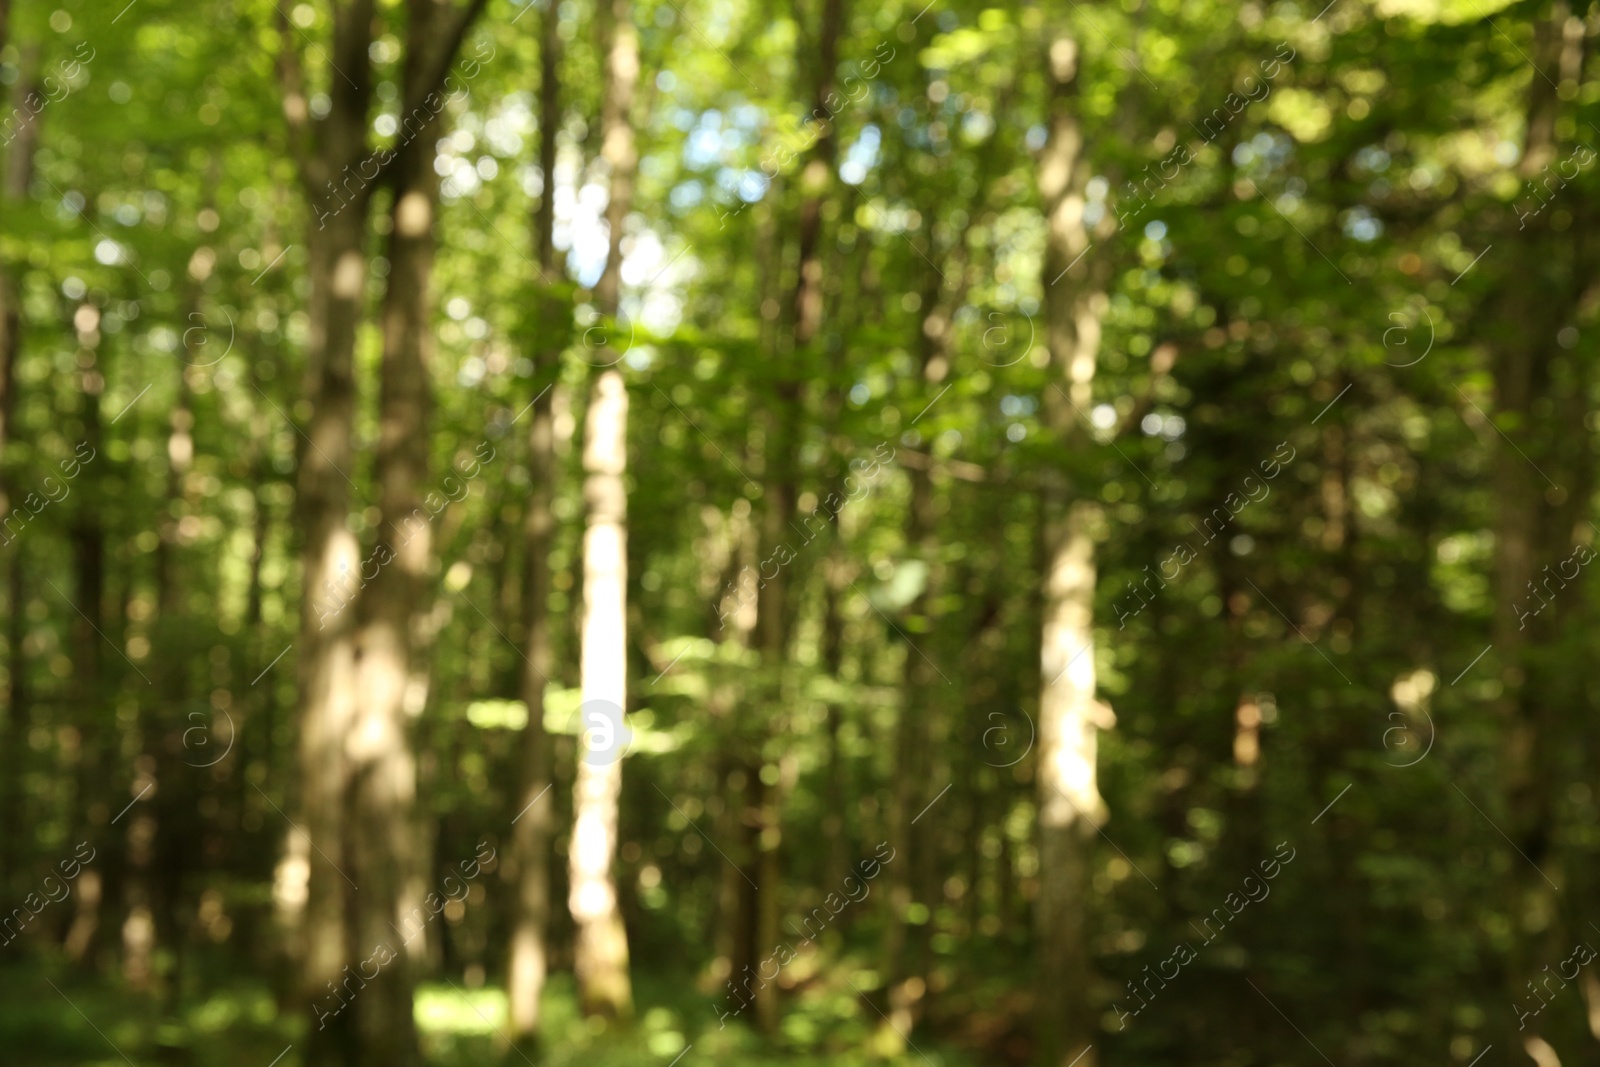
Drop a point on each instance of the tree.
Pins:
(601, 952)
(530, 866)
(358, 778)
(1070, 714)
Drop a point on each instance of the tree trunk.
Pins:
(1539, 294)
(331, 563)
(17, 166)
(617, 143)
(150, 886)
(774, 612)
(529, 861)
(18, 720)
(89, 686)
(384, 837)
(601, 949)
(600, 954)
(733, 919)
(1070, 807)
(835, 820)
(386, 842)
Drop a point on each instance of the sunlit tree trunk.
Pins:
(528, 862)
(600, 954)
(385, 842)
(1069, 799)
(330, 567)
(326, 666)
(383, 836)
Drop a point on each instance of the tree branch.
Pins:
(450, 45)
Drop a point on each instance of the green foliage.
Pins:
(1334, 272)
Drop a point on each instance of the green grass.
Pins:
(53, 1015)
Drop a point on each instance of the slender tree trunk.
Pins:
(386, 842)
(19, 159)
(739, 619)
(149, 886)
(1538, 295)
(914, 786)
(358, 774)
(733, 920)
(16, 169)
(529, 861)
(601, 949)
(617, 142)
(774, 612)
(89, 686)
(1070, 807)
(18, 716)
(836, 572)
(331, 561)
(325, 651)
(384, 836)
(835, 820)
(600, 954)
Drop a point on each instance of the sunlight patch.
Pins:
(447, 1010)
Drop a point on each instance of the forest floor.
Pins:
(56, 1016)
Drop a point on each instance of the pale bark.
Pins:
(528, 863)
(600, 955)
(1070, 807)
